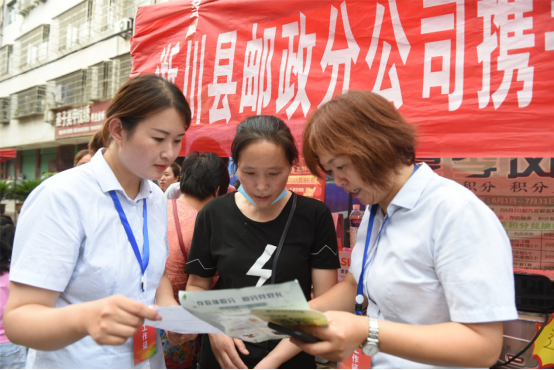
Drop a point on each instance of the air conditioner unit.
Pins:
(24, 6)
(125, 24)
(49, 116)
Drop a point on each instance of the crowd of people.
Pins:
(96, 246)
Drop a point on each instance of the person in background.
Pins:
(84, 156)
(204, 176)
(96, 142)
(170, 176)
(432, 262)
(173, 191)
(12, 356)
(85, 269)
(234, 232)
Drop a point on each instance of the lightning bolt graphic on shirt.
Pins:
(257, 268)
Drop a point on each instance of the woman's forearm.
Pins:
(339, 298)
(45, 328)
(198, 284)
(447, 344)
(164, 293)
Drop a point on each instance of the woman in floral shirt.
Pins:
(204, 176)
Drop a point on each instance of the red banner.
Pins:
(476, 77)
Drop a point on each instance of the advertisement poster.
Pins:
(520, 191)
(302, 182)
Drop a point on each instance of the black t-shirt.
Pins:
(227, 241)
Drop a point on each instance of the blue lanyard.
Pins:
(360, 292)
(143, 264)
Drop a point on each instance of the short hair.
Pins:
(7, 234)
(268, 128)
(142, 97)
(80, 156)
(365, 127)
(175, 168)
(96, 142)
(202, 175)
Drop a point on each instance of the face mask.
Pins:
(241, 190)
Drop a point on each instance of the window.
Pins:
(6, 54)
(111, 11)
(28, 102)
(11, 12)
(100, 82)
(121, 69)
(75, 26)
(4, 110)
(33, 47)
(68, 90)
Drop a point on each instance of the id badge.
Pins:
(144, 343)
(357, 360)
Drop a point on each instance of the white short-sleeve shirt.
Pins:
(442, 256)
(70, 239)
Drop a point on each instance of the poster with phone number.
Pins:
(520, 191)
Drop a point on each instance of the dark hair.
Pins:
(203, 174)
(96, 142)
(175, 168)
(365, 127)
(142, 97)
(80, 155)
(268, 128)
(7, 233)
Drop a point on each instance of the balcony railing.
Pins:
(100, 82)
(67, 90)
(74, 26)
(6, 60)
(32, 47)
(28, 102)
(5, 110)
(121, 69)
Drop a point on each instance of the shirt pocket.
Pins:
(95, 274)
(416, 303)
(91, 281)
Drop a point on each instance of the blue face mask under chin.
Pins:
(241, 190)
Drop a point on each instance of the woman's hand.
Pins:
(114, 319)
(225, 351)
(176, 339)
(344, 334)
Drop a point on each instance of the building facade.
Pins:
(61, 61)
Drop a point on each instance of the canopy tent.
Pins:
(7, 154)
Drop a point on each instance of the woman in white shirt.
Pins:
(435, 262)
(91, 243)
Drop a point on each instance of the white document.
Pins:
(179, 320)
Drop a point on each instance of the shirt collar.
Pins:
(107, 180)
(409, 194)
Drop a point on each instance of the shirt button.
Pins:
(134, 209)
